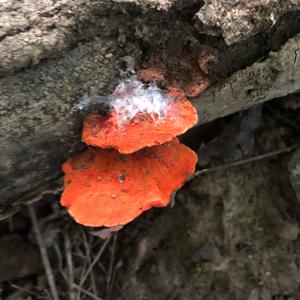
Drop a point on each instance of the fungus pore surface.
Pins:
(106, 188)
(142, 116)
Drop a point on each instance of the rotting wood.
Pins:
(37, 136)
(39, 131)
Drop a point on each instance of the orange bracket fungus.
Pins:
(107, 188)
(141, 116)
(141, 163)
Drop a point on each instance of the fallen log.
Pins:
(39, 130)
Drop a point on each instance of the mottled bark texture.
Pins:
(276, 76)
(237, 20)
(54, 52)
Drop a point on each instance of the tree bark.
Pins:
(275, 77)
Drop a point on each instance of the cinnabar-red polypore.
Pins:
(142, 130)
(106, 188)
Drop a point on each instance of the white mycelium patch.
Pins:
(132, 97)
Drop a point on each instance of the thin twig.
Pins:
(69, 260)
(59, 256)
(109, 283)
(246, 160)
(80, 254)
(122, 293)
(97, 257)
(21, 289)
(44, 254)
(113, 279)
(87, 246)
(84, 291)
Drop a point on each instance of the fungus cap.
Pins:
(106, 188)
(142, 130)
